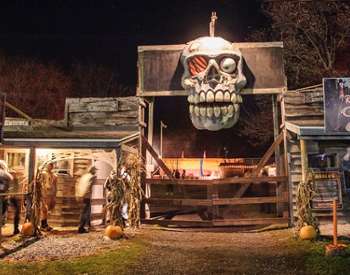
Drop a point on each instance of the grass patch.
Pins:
(315, 262)
(110, 262)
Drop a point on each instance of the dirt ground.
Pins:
(174, 251)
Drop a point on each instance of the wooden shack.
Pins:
(307, 144)
(94, 131)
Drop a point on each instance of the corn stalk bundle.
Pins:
(125, 188)
(305, 194)
(115, 198)
(36, 200)
(134, 168)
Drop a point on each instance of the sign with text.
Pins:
(327, 187)
(337, 104)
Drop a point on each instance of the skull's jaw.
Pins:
(214, 116)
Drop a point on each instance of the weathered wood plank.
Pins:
(256, 221)
(241, 180)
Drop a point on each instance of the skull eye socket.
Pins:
(197, 64)
(228, 65)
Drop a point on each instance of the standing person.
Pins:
(14, 202)
(5, 180)
(83, 191)
(49, 189)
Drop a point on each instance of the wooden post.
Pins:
(304, 160)
(31, 167)
(335, 223)
(279, 185)
(144, 207)
(150, 127)
(148, 156)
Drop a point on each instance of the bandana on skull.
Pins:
(213, 76)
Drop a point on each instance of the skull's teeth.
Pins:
(217, 111)
(210, 112)
(233, 98)
(227, 97)
(202, 97)
(190, 99)
(230, 110)
(196, 99)
(210, 97)
(202, 111)
(219, 96)
(214, 111)
(196, 110)
(224, 110)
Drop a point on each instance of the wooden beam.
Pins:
(225, 222)
(256, 221)
(251, 200)
(18, 111)
(242, 180)
(268, 154)
(221, 201)
(181, 202)
(144, 208)
(155, 156)
(179, 223)
(304, 160)
(261, 164)
(247, 91)
(150, 129)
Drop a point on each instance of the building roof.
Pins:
(308, 130)
(89, 122)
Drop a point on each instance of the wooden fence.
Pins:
(214, 199)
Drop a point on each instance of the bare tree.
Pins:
(95, 80)
(313, 32)
(38, 89)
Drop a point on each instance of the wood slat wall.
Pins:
(102, 112)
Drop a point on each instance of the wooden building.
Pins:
(94, 131)
(314, 151)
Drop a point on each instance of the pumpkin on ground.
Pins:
(114, 232)
(27, 229)
(307, 232)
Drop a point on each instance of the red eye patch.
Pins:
(197, 65)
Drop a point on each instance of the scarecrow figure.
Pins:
(48, 182)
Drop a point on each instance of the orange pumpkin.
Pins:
(27, 229)
(114, 232)
(307, 232)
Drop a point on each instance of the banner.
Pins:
(337, 104)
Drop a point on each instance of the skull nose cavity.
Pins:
(213, 77)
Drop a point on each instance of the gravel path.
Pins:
(58, 246)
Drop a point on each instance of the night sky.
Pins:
(108, 32)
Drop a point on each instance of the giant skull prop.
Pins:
(213, 76)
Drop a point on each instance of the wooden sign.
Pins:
(160, 69)
(2, 115)
(327, 186)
